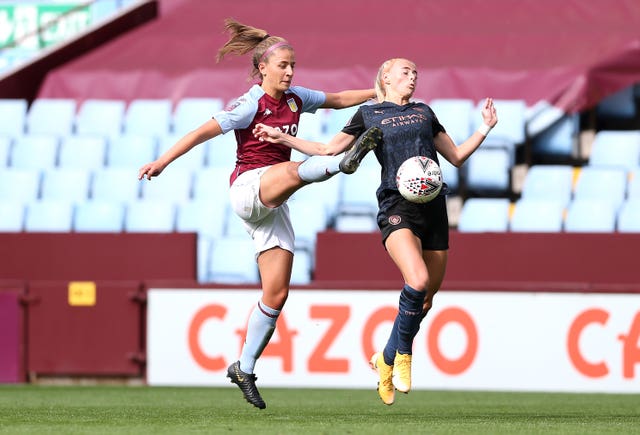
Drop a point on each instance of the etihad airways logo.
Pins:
(412, 118)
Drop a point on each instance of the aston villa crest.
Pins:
(292, 105)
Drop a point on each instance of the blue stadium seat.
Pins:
(151, 216)
(221, 151)
(234, 226)
(326, 193)
(537, 216)
(510, 131)
(633, 185)
(99, 217)
(11, 216)
(193, 160)
(14, 117)
(51, 116)
(450, 174)
(312, 126)
(484, 215)
(83, 152)
(212, 184)
(206, 217)
(66, 184)
(309, 217)
(558, 140)
(100, 117)
(190, 113)
(336, 119)
(616, 149)
(455, 115)
(115, 184)
(232, 261)
(358, 191)
(131, 151)
(302, 267)
(601, 183)
(148, 117)
(34, 152)
(549, 182)
(49, 216)
(22, 185)
(590, 215)
(488, 170)
(5, 151)
(355, 222)
(629, 216)
(174, 184)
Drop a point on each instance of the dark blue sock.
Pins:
(406, 324)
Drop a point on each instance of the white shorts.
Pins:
(268, 227)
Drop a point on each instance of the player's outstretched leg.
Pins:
(402, 372)
(365, 143)
(247, 384)
(385, 385)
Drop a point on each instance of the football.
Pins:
(419, 179)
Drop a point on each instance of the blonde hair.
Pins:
(244, 39)
(381, 93)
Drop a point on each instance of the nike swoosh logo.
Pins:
(240, 378)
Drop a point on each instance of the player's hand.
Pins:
(489, 115)
(265, 133)
(149, 170)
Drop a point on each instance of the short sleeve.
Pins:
(436, 127)
(238, 115)
(311, 99)
(355, 126)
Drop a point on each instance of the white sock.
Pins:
(262, 323)
(319, 168)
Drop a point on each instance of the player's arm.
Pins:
(457, 155)
(336, 145)
(340, 100)
(206, 131)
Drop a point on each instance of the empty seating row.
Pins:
(544, 215)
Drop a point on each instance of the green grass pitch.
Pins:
(33, 409)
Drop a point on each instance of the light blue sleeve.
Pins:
(239, 115)
(311, 100)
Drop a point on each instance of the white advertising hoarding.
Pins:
(470, 340)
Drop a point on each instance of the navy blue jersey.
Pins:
(407, 130)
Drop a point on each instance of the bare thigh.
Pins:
(279, 182)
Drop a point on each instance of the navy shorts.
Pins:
(429, 222)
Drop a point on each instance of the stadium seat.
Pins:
(19, 184)
(633, 184)
(326, 193)
(336, 119)
(601, 183)
(234, 226)
(131, 151)
(302, 267)
(312, 126)
(83, 152)
(455, 115)
(629, 216)
(11, 216)
(5, 151)
(558, 141)
(488, 171)
(14, 117)
(212, 184)
(49, 216)
(66, 184)
(308, 217)
(232, 261)
(590, 215)
(193, 160)
(34, 152)
(450, 174)
(510, 132)
(358, 192)
(100, 117)
(619, 149)
(151, 216)
(51, 116)
(548, 182)
(484, 215)
(148, 117)
(174, 184)
(99, 217)
(115, 184)
(190, 113)
(202, 216)
(537, 216)
(221, 151)
(355, 222)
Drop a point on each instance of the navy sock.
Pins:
(409, 318)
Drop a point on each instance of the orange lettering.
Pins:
(203, 360)
(573, 338)
(384, 314)
(282, 348)
(452, 366)
(630, 349)
(318, 362)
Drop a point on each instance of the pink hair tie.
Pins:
(270, 49)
